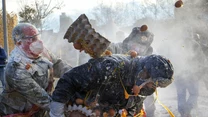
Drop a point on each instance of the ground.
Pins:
(168, 98)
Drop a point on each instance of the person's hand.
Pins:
(57, 109)
(50, 87)
(150, 85)
(136, 89)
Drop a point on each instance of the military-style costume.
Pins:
(27, 81)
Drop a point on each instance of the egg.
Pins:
(133, 53)
(111, 112)
(178, 4)
(79, 101)
(143, 28)
(77, 46)
(108, 53)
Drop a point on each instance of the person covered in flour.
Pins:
(29, 74)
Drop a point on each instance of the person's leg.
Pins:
(150, 106)
(181, 96)
(193, 89)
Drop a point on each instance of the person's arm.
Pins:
(21, 81)
(71, 82)
(162, 82)
(57, 109)
(116, 48)
(143, 90)
(59, 66)
(149, 88)
(3, 54)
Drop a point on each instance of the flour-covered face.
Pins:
(31, 43)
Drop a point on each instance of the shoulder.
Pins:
(2, 51)
(115, 61)
(149, 51)
(14, 70)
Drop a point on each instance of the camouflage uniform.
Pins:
(26, 81)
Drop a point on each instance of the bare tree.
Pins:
(27, 14)
(38, 10)
(105, 13)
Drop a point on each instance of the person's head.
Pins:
(156, 68)
(27, 38)
(138, 40)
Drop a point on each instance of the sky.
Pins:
(13, 5)
(71, 7)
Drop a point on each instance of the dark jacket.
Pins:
(103, 77)
(3, 57)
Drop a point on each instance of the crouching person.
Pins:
(29, 75)
(110, 86)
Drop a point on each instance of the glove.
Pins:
(57, 109)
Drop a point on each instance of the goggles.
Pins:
(31, 38)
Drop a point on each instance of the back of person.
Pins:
(106, 83)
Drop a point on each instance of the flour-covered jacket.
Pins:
(120, 48)
(106, 78)
(26, 82)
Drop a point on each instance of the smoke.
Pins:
(181, 38)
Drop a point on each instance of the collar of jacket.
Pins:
(18, 56)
